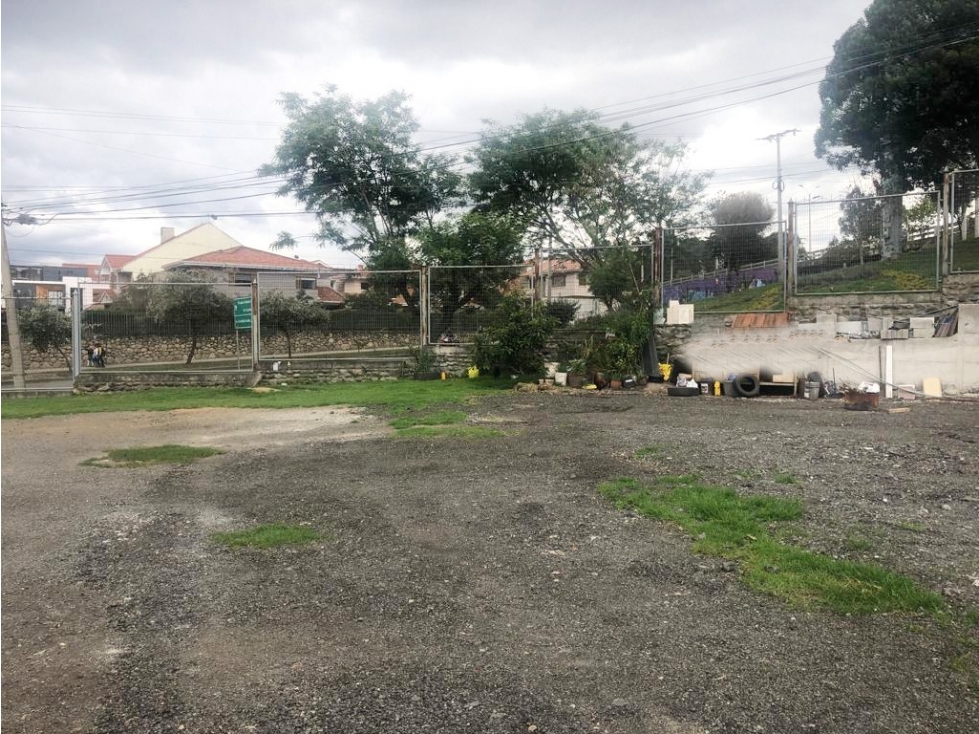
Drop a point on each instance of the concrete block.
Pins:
(926, 325)
(905, 392)
(895, 334)
(679, 313)
(850, 327)
(872, 324)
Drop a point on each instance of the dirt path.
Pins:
(480, 585)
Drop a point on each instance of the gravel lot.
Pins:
(479, 585)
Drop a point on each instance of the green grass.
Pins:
(786, 478)
(395, 395)
(740, 528)
(267, 536)
(647, 451)
(439, 424)
(766, 298)
(145, 455)
(439, 418)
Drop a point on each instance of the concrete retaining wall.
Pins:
(816, 347)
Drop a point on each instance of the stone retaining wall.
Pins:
(122, 351)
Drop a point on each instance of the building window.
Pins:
(582, 278)
(241, 278)
(306, 284)
(558, 281)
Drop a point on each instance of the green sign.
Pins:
(243, 313)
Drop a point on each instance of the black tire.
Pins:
(747, 386)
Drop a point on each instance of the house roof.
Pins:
(247, 257)
(325, 294)
(117, 261)
(556, 267)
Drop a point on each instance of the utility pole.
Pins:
(13, 326)
(779, 186)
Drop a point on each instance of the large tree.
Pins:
(355, 164)
(897, 97)
(480, 240)
(740, 222)
(581, 187)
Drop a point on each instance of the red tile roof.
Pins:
(248, 257)
(325, 294)
(117, 261)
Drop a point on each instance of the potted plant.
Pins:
(424, 364)
(577, 368)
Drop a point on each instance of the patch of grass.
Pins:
(731, 526)
(647, 451)
(145, 455)
(786, 478)
(439, 418)
(766, 298)
(912, 527)
(857, 544)
(450, 432)
(267, 536)
(393, 395)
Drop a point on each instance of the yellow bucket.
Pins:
(473, 372)
(666, 370)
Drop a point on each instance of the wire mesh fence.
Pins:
(462, 300)
(962, 216)
(343, 311)
(168, 325)
(867, 244)
(724, 269)
(44, 317)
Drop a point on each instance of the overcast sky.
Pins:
(111, 107)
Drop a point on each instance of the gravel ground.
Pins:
(479, 585)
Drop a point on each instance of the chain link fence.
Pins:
(168, 325)
(874, 244)
(44, 317)
(724, 269)
(962, 217)
(337, 313)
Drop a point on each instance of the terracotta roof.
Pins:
(760, 320)
(242, 256)
(117, 261)
(325, 294)
(557, 267)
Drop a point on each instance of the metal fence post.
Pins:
(424, 305)
(76, 332)
(256, 326)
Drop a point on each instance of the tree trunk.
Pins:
(193, 349)
(893, 214)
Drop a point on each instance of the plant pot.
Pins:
(615, 383)
(575, 380)
(561, 378)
